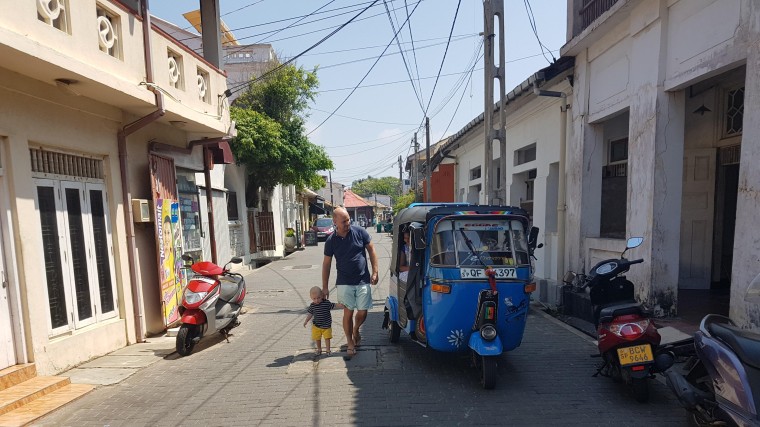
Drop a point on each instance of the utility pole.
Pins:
(415, 168)
(332, 202)
(492, 8)
(400, 177)
(429, 197)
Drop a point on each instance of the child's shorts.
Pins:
(318, 333)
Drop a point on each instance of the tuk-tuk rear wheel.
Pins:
(488, 372)
(394, 331)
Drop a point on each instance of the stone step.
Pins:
(16, 374)
(44, 405)
(29, 390)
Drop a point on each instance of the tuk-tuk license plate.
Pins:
(636, 354)
(480, 273)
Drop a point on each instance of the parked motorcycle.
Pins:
(627, 339)
(720, 382)
(211, 302)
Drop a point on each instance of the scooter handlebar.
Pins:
(636, 261)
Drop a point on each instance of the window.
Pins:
(614, 190)
(734, 118)
(204, 94)
(108, 32)
(232, 206)
(500, 242)
(475, 173)
(189, 211)
(525, 155)
(77, 252)
(54, 13)
(175, 70)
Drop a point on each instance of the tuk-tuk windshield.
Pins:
(499, 242)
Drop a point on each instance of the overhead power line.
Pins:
(242, 85)
(369, 71)
(417, 94)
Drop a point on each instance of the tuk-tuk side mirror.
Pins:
(418, 238)
(532, 236)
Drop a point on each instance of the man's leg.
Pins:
(348, 329)
(361, 316)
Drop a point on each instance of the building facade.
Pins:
(88, 88)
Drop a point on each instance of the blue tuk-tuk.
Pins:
(468, 283)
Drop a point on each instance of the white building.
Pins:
(666, 121)
(97, 109)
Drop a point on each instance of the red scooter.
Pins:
(627, 339)
(211, 302)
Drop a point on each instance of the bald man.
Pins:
(350, 246)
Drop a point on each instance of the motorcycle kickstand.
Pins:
(599, 370)
(225, 334)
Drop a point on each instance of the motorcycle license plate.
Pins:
(480, 273)
(636, 354)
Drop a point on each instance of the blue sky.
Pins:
(376, 123)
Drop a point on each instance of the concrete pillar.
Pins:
(211, 30)
(655, 164)
(746, 262)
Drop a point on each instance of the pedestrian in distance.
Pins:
(350, 246)
(321, 319)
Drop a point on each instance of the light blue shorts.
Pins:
(355, 297)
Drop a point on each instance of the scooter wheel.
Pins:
(394, 331)
(488, 372)
(185, 341)
(640, 389)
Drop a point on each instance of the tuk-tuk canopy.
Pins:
(423, 212)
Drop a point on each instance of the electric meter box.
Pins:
(141, 211)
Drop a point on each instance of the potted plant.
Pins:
(290, 238)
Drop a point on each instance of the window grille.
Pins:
(475, 173)
(203, 88)
(108, 32)
(525, 155)
(734, 112)
(51, 162)
(54, 13)
(730, 155)
(175, 70)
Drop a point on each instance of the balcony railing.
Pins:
(593, 9)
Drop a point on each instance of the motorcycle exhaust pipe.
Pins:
(687, 394)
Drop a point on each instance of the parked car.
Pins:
(324, 228)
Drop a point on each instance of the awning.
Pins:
(315, 209)
(221, 153)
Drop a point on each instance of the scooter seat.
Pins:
(745, 344)
(610, 312)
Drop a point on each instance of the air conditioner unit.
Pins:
(141, 210)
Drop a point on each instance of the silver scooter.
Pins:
(720, 381)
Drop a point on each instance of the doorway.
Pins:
(727, 189)
(7, 340)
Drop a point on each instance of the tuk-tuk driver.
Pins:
(350, 246)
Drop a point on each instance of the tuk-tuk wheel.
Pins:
(394, 331)
(488, 372)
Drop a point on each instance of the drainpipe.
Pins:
(122, 135)
(561, 197)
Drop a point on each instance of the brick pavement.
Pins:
(267, 376)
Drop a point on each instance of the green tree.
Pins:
(402, 202)
(366, 187)
(271, 140)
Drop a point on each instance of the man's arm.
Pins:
(326, 266)
(373, 260)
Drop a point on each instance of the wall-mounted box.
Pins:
(141, 210)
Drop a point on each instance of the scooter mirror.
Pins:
(569, 277)
(634, 242)
(236, 260)
(753, 291)
(187, 257)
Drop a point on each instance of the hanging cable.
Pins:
(532, 20)
(308, 49)
(459, 3)
(403, 57)
(365, 76)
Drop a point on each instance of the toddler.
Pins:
(319, 313)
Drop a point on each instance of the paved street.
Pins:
(267, 375)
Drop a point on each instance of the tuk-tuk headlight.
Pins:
(488, 332)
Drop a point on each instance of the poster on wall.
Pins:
(170, 261)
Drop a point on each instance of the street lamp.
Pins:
(561, 196)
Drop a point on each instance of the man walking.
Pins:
(350, 246)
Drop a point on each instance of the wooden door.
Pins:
(697, 210)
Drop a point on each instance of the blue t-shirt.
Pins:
(350, 256)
